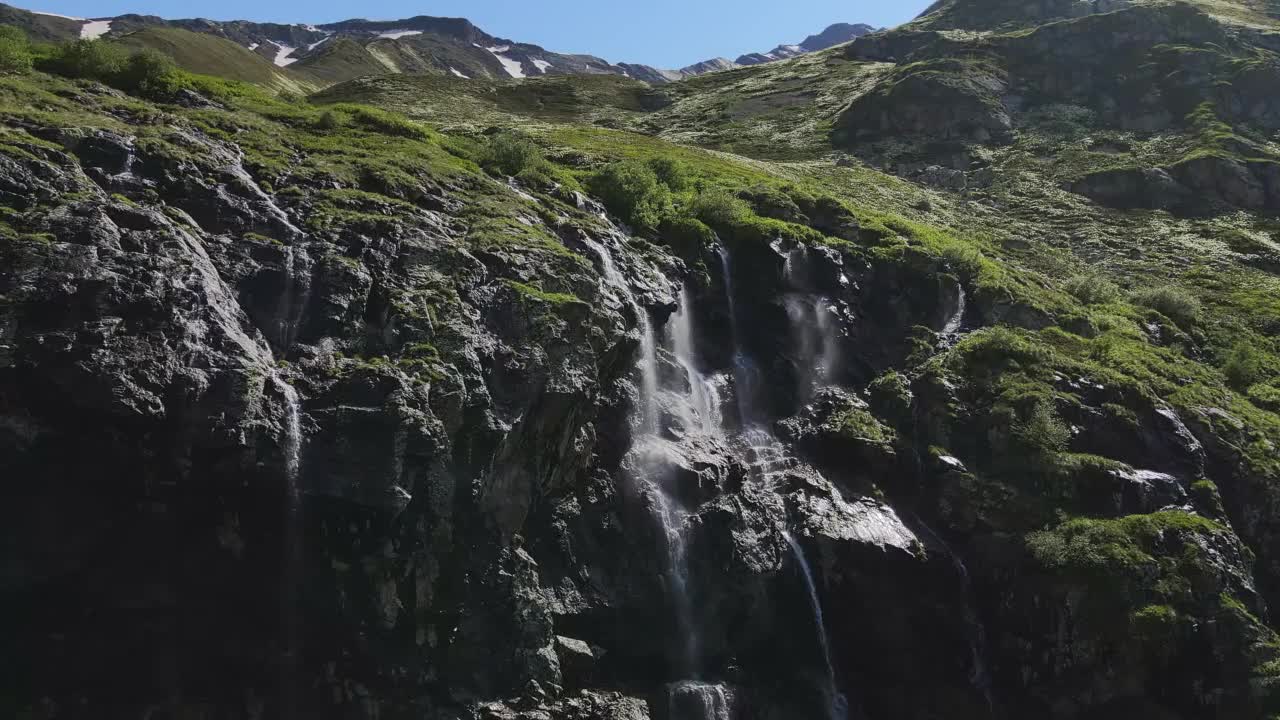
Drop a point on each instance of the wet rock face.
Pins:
(156, 337)
(378, 471)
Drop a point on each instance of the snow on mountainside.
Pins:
(416, 45)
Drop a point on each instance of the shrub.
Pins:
(328, 121)
(1093, 289)
(15, 51)
(1042, 432)
(511, 153)
(719, 208)
(1244, 366)
(632, 192)
(387, 123)
(672, 173)
(1174, 303)
(150, 73)
(88, 59)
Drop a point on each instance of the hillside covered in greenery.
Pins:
(934, 375)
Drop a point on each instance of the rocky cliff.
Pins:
(313, 408)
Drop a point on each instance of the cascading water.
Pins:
(766, 456)
(697, 701)
(704, 395)
(292, 437)
(837, 704)
(648, 361)
(956, 321)
(292, 575)
(812, 323)
(649, 450)
(744, 372)
(294, 297)
(250, 185)
(979, 677)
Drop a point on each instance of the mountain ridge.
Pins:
(420, 43)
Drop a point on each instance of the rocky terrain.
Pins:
(932, 376)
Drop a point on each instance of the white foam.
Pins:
(95, 29)
(459, 74)
(542, 65)
(282, 55)
(397, 34)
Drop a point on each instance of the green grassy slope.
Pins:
(210, 55)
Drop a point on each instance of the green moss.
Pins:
(859, 424)
(891, 396)
(1123, 559)
(537, 295)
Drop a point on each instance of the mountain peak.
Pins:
(835, 34)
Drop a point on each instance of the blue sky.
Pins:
(667, 33)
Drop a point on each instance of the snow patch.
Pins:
(459, 74)
(542, 65)
(513, 67)
(253, 47)
(95, 29)
(322, 41)
(282, 55)
(397, 34)
(64, 17)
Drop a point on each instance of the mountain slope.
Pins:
(210, 55)
(420, 44)
(42, 26)
(992, 14)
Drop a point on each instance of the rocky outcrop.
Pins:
(1129, 188)
(946, 100)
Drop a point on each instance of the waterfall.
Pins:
(650, 452)
(704, 396)
(678, 573)
(697, 701)
(811, 318)
(294, 297)
(744, 371)
(238, 171)
(837, 704)
(956, 321)
(648, 344)
(979, 677)
(292, 438)
(292, 575)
